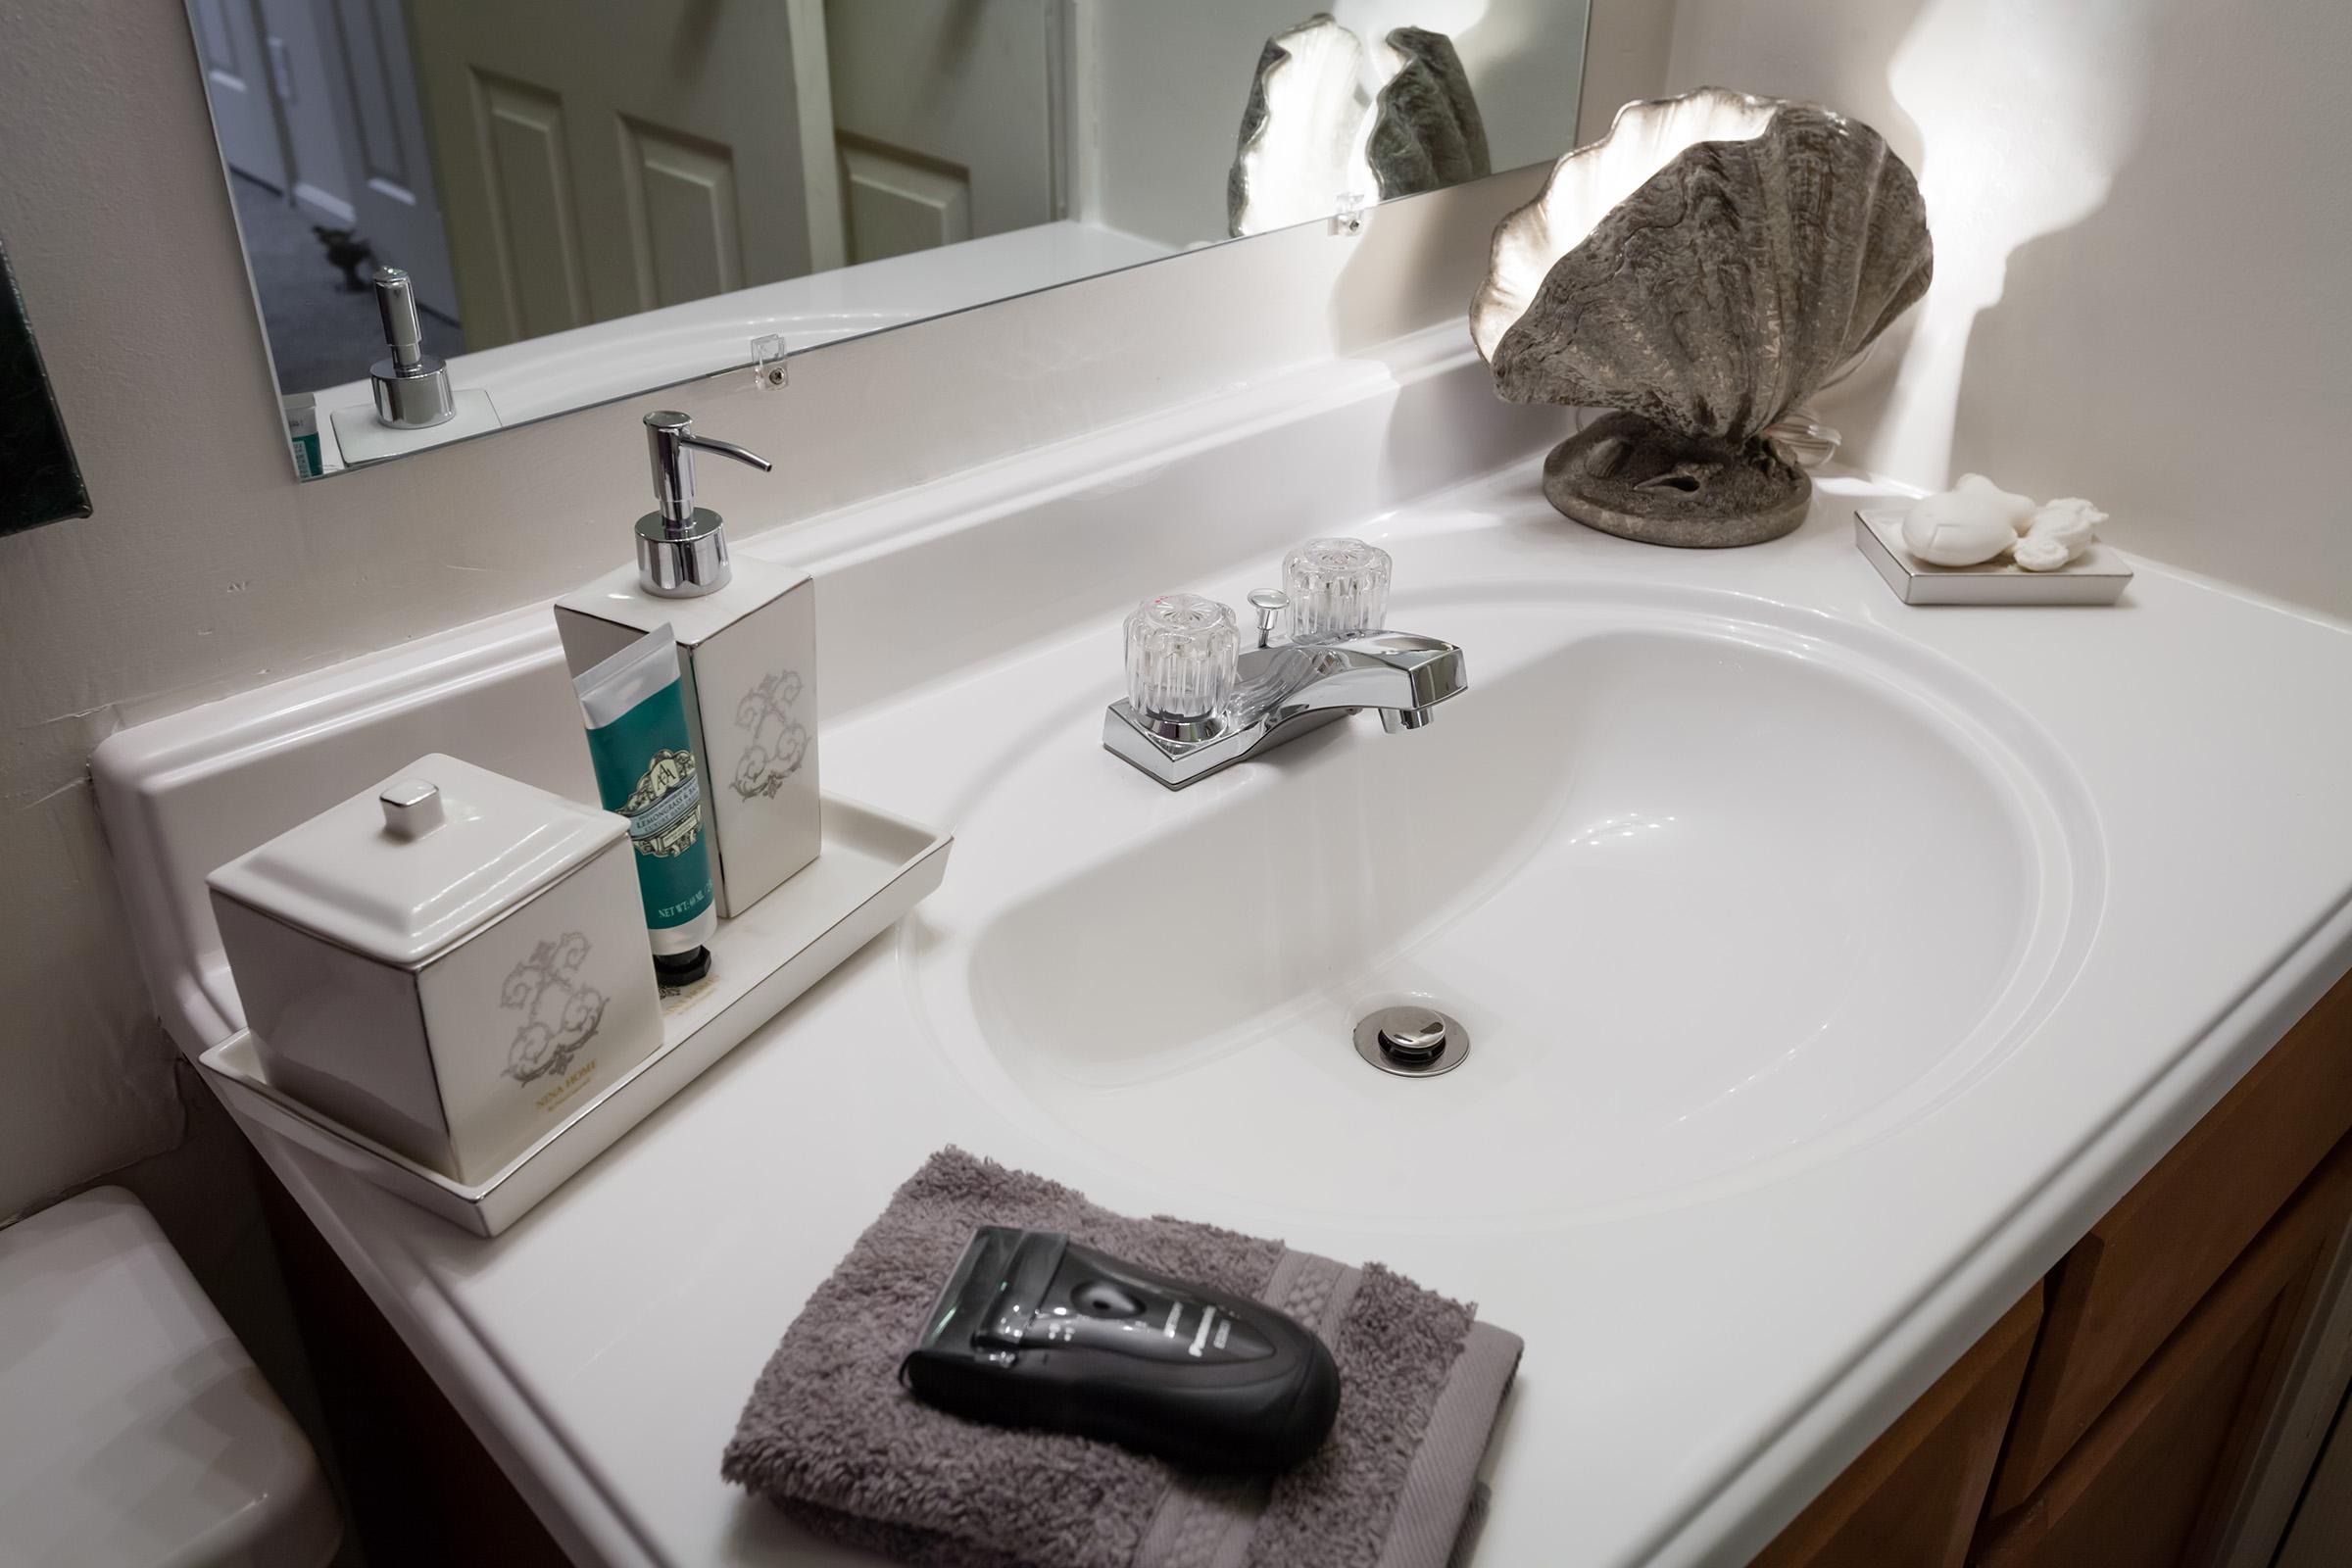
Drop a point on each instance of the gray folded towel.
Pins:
(833, 1440)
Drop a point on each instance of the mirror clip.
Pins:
(767, 362)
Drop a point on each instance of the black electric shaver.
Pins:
(1034, 1330)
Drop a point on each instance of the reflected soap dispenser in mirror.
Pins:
(415, 405)
(747, 655)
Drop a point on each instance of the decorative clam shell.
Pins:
(1309, 134)
(1427, 132)
(1706, 266)
(1300, 130)
(1587, 184)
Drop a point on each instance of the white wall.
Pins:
(2141, 228)
(206, 570)
(1627, 46)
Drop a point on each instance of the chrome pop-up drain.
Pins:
(1412, 1042)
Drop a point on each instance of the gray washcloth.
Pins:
(833, 1440)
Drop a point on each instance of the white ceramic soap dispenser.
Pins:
(747, 655)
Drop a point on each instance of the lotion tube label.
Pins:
(645, 769)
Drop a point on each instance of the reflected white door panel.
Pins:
(599, 158)
(236, 78)
(394, 198)
(948, 115)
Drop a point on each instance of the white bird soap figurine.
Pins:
(1976, 520)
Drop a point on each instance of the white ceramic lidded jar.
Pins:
(451, 963)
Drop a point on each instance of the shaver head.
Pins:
(978, 1308)
(1032, 1329)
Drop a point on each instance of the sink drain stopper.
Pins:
(1412, 1042)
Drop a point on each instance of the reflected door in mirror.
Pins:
(599, 158)
(949, 120)
(236, 81)
(394, 200)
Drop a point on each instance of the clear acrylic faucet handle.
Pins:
(1182, 657)
(1337, 588)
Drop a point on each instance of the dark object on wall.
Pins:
(1701, 271)
(347, 249)
(39, 482)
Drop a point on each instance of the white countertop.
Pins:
(1694, 1370)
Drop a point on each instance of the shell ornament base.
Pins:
(1627, 475)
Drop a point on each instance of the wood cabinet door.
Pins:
(1913, 1495)
(2129, 1285)
(2148, 1483)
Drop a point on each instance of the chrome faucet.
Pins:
(1195, 704)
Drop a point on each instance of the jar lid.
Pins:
(407, 869)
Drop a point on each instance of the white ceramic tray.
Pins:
(872, 869)
(2097, 576)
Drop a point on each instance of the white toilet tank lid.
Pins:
(134, 1430)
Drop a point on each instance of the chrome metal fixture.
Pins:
(412, 387)
(682, 548)
(1195, 703)
(1412, 1041)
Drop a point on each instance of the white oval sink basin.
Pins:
(1714, 895)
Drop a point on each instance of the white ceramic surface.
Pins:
(746, 663)
(874, 868)
(452, 977)
(134, 1430)
(400, 898)
(1696, 1369)
(1668, 867)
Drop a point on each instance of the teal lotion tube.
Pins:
(646, 770)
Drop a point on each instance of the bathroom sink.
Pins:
(1715, 889)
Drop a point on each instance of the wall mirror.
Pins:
(557, 203)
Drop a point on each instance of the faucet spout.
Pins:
(1283, 692)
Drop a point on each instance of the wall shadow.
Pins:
(2183, 354)
(2025, 116)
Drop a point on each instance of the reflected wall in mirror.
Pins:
(591, 199)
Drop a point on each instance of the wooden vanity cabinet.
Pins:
(2152, 1354)
(2132, 1281)
(2150, 1481)
(1913, 1495)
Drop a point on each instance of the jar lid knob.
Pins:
(411, 807)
